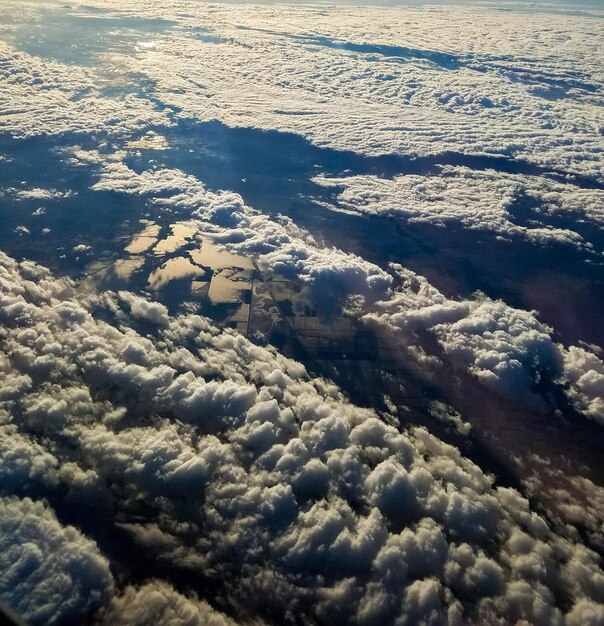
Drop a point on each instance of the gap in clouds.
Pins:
(266, 170)
(79, 35)
(273, 172)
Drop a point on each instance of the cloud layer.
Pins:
(404, 82)
(477, 200)
(267, 481)
(507, 350)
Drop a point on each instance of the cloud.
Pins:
(507, 350)
(158, 603)
(586, 613)
(585, 374)
(228, 460)
(382, 82)
(279, 246)
(143, 309)
(477, 200)
(51, 574)
(44, 97)
(82, 247)
(37, 193)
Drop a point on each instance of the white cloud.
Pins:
(47, 97)
(507, 350)
(82, 247)
(231, 460)
(158, 603)
(228, 459)
(143, 309)
(372, 80)
(585, 373)
(279, 245)
(477, 200)
(404, 82)
(50, 573)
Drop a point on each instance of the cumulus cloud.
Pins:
(37, 193)
(43, 96)
(584, 371)
(477, 200)
(51, 574)
(158, 603)
(377, 81)
(371, 80)
(507, 350)
(230, 460)
(143, 309)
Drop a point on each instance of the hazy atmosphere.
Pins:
(301, 313)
